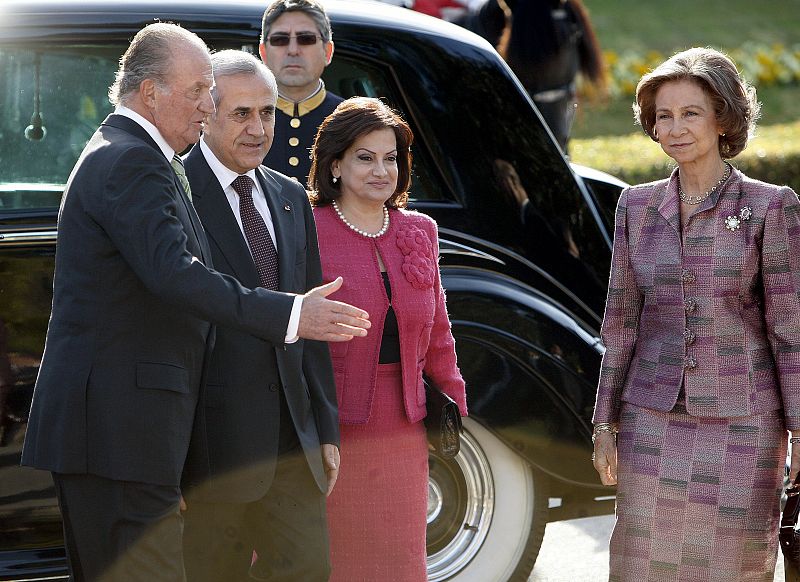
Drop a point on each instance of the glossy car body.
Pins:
(525, 283)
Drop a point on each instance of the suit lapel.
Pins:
(666, 199)
(218, 218)
(197, 225)
(129, 125)
(283, 219)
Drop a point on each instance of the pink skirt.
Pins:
(377, 511)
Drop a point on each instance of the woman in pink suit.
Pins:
(387, 256)
(701, 375)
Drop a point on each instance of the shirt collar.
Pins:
(300, 108)
(151, 130)
(224, 175)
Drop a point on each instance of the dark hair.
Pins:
(352, 119)
(533, 37)
(312, 8)
(734, 100)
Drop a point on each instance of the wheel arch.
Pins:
(530, 368)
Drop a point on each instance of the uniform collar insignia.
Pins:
(300, 108)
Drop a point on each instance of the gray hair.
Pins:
(312, 8)
(734, 100)
(232, 62)
(149, 56)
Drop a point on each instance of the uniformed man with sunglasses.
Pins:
(297, 45)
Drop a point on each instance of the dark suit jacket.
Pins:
(236, 438)
(120, 374)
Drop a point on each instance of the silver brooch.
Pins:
(733, 223)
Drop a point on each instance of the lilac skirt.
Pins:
(698, 498)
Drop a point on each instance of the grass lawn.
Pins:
(773, 155)
(671, 25)
(644, 25)
(778, 105)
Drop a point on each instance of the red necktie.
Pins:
(255, 230)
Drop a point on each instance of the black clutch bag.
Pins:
(443, 421)
(789, 537)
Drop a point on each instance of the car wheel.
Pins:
(486, 512)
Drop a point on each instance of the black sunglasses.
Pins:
(303, 39)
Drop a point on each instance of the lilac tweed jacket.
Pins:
(714, 307)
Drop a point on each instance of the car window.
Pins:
(67, 89)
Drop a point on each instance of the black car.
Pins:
(525, 250)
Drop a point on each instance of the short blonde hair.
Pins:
(734, 100)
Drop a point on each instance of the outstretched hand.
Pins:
(330, 321)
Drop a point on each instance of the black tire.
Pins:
(487, 511)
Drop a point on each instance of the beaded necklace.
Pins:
(354, 228)
(694, 200)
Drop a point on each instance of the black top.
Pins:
(390, 341)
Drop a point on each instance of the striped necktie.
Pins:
(177, 165)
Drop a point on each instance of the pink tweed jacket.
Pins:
(410, 251)
(713, 308)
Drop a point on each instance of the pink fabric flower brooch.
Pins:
(418, 262)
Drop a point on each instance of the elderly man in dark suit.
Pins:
(266, 407)
(115, 399)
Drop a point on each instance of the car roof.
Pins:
(368, 13)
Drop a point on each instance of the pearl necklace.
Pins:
(694, 200)
(354, 228)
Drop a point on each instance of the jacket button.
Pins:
(690, 305)
(688, 336)
(689, 363)
(273, 387)
(687, 276)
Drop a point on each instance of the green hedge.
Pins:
(773, 156)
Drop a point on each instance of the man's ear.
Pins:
(328, 53)
(147, 93)
(262, 50)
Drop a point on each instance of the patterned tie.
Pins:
(261, 246)
(177, 165)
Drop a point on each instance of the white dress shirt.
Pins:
(226, 176)
(151, 130)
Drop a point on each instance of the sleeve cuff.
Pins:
(294, 320)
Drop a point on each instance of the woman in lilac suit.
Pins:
(388, 258)
(700, 379)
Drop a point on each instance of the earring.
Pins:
(335, 179)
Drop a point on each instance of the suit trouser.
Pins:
(287, 527)
(120, 531)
